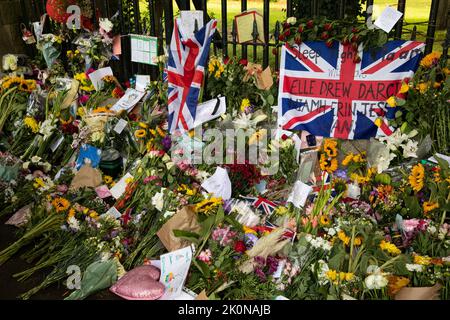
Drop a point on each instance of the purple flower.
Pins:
(167, 143)
(341, 173)
(272, 263)
(260, 274)
(260, 260)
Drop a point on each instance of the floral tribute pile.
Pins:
(374, 224)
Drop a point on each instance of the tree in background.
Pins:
(328, 8)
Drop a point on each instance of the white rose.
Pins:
(292, 20)
(9, 62)
(26, 165)
(158, 201)
(35, 159)
(106, 25)
(413, 267)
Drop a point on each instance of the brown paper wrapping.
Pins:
(86, 177)
(264, 80)
(21, 217)
(185, 219)
(202, 296)
(419, 293)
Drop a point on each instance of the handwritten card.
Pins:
(144, 49)
(120, 186)
(142, 82)
(128, 101)
(388, 18)
(218, 184)
(113, 212)
(187, 22)
(88, 153)
(97, 76)
(174, 269)
(299, 194)
(210, 110)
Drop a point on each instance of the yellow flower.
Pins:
(60, 204)
(416, 177)
(257, 136)
(423, 260)
(324, 220)
(328, 165)
(331, 274)
(244, 104)
(129, 180)
(330, 147)
(430, 59)
(143, 125)
(80, 77)
(69, 54)
(422, 87)
(38, 182)
(357, 241)
(396, 283)
(404, 88)
(390, 248)
(349, 276)
(93, 214)
(107, 179)
(358, 158)
(347, 159)
(392, 102)
(31, 123)
(71, 213)
(248, 230)
(161, 132)
(343, 237)
(141, 133)
(80, 111)
(208, 206)
(437, 177)
(429, 206)
(281, 210)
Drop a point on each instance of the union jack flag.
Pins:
(262, 204)
(185, 72)
(327, 92)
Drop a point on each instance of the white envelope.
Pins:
(388, 18)
(97, 76)
(210, 110)
(299, 194)
(119, 187)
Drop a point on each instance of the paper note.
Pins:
(103, 192)
(88, 153)
(119, 187)
(187, 22)
(113, 212)
(144, 49)
(128, 101)
(440, 156)
(210, 110)
(299, 194)
(142, 82)
(97, 76)
(219, 184)
(174, 269)
(120, 125)
(388, 18)
(244, 26)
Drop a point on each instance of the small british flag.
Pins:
(262, 204)
(185, 73)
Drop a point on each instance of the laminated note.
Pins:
(219, 184)
(119, 187)
(244, 26)
(187, 22)
(388, 18)
(209, 110)
(97, 76)
(128, 101)
(144, 49)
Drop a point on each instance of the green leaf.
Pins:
(400, 102)
(203, 267)
(219, 216)
(187, 235)
(270, 100)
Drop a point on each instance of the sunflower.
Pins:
(208, 206)
(422, 87)
(416, 177)
(60, 204)
(27, 85)
(109, 79)
(429, 206)
(343, 237)
(107, 179)
(430, 60)
(161, 132)
(423, 260)
(390, 248)
(71, 213)
(328, 165)
(347, 159)
(325, 220)
(141, 133)
(330, 147)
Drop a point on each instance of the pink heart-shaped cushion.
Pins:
(138, 287)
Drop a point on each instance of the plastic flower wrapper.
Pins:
(98, 276)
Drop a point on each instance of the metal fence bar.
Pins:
(289, 8)
(168, 20)
(398, 30)
(368, 5)
(266, 33)
(431, 26)
(244, 46)
(123, 42)
(447, 39)
(341, 9)
(224, 29)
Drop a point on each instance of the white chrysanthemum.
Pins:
(414, 267)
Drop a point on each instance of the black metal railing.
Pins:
(160, 19)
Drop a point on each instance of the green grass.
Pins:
(417, 12)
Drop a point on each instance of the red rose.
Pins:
(239, 246)
(310, 24)
(355, 38)
(329, 43)
(328, 26)
(287, 33)
(284, 136)
(282, 37)
(286, 25)
(226, 60)
(355, 30)
(324, 35)
(244, 62)
(301, 28)
(298, 39)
